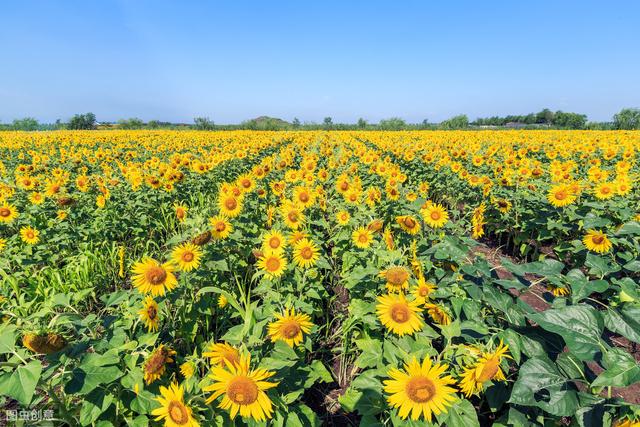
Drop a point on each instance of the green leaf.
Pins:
(371, 351)
(618, 324)
(600, 266)
(627, 228)
(86, 379)
(21, 383)
(622, 370)
(93, 405)
(462, 414)
(579, 325)
(540, 384)
(8, 334)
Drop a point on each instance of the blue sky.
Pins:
(234, 60)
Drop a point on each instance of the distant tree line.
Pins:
(627, 118)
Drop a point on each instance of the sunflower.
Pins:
(8, 213)
(409, 224)
(484, 369)
(187, 369)
(246, 182)
(220, 354)
(3, 244)
(503, 205)
(172, 408)
(29, 235)
(152, 277)
(438, 314)
(289, 327)
(222, 301)
(397, 278)
(36, 198)
(605, 190)
(186, 256)
(303, 196)
(558, 291)
(243, 389)
(273, 264)
(560, 196)
(45, 343)
(362, 238)
(296, 236)
(220, 226)
(149, 314)
(420, 389)
(305, 253)
(435, 215)
(388, 238)
(230, 205)
(343, 217)
(274, 241)
(597, 241)
(422, 290)
(156, 364)
(180, 211)
(292, 215)
(399, 315)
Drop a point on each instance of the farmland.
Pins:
(187, 278)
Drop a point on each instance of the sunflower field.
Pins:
(190, 278)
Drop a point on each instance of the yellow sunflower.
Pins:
(29, 235)
(220, 354)
(422, 290)
(156, 364)
(187, 369)
(305, 253)
(399, 315)
(289, 327)
(420, 389)
(8, 213)
(149, 314)
(484, 369)
(560, 196)
(597, 241)
(230, 205)
(503, 205)
(273, 264)
(152, 277)
(36, 198)
(186, 256)
(343, 217)
(409, 224)
(172, 408)
(605, 190)
(397, 278)
(274, 241)
(243, 390)
(435, 215)
(221, 228)
(3, 244)
(180, 211)
(292, 215)
(362, 238)
(438, 314)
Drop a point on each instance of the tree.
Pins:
(394, 123)
(153, 124)
(296, 123)
(456, 122)
(544, 117)
(328, 121)
(362, 123)
(82, 121)
(569, 120)
(203, 123)
(28, 123)
(627, 118)
(133, 123)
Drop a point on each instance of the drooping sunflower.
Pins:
(156, 363)
(560, 195)
(243, 389)
(484, 369)
(274, 241)
(180, 211)
(8, 213)
(149, 314)
(387, 236)
(597, 241)
(29, 235)
(152, 277)
(273, 264)
(409, 224)
(45, 343)
(397, 278)
(221, 228)
(289, 327)
(435, 215)
(420, 389)
(186, 256)
(172, 408)
(220, 354)
(399, 315)
(305, 253)
(438, 314)
(362, 237)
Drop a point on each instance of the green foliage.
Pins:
(203, 123)
(627, 118)
(82, 122)
(457, 122)
(28, 123)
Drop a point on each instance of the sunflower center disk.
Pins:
(306, 253)
(152, 312)
(187, 256)
(400, 313)
(274, 243)
(231, 204)
(242, 391)
(178, 413)
(598, 240)
(489, 370)
(420, 389)
(156, 275)
(273, 264)
(5, 212)
(435, 215)
(290, 330)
